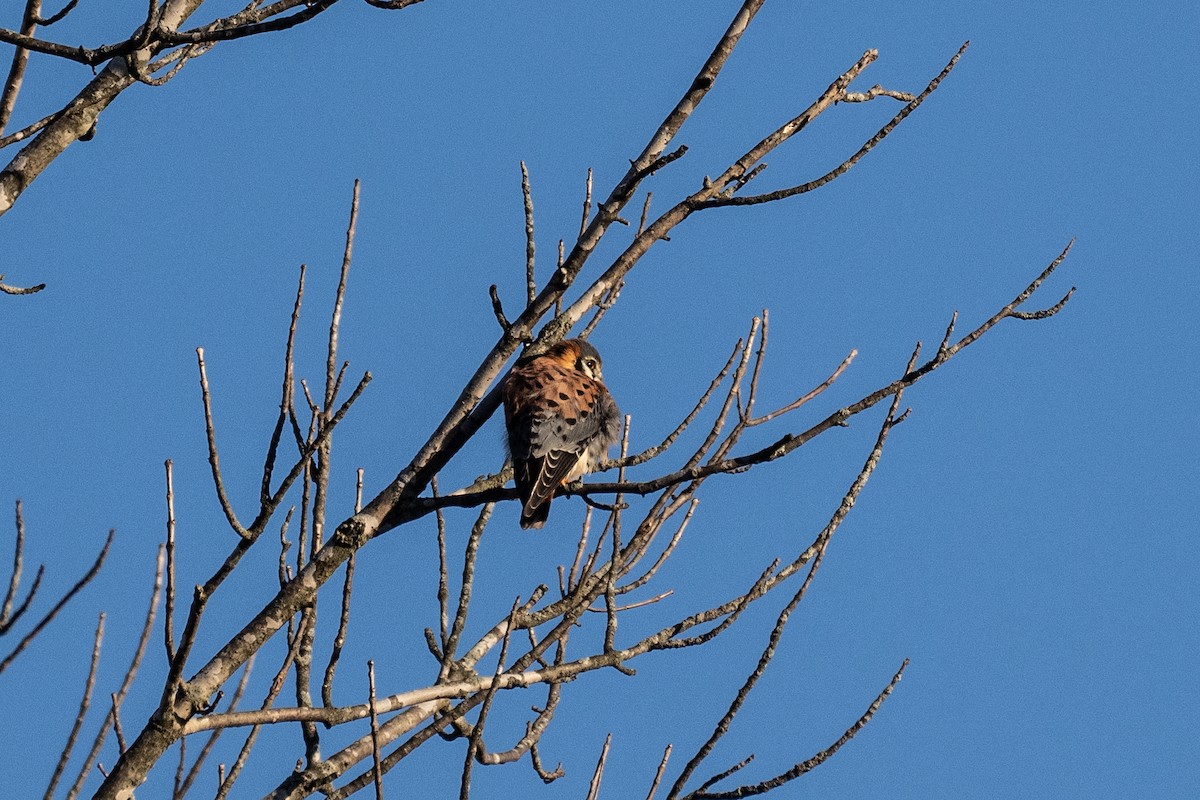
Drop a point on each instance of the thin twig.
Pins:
(339, 298)
(873, 92)
(475, 747)
(666, 553)
(662, 767)
(535, 759)
(115, 715)
(13, 138)
(645, 211)
(53, 18)
(88, 686)
(339, 639)
(378, 772)
(276, 687)
(530, 246)
(180, 770)
(498, 308)
(598, 773)
(649, 453)
(639, 604)
(616, 568)
(303, 676)
(169, 610)
(720, 776)
(16, 73)
(468, 580)
(759, 357)
(443, 590)
(806, 397)
(213, 459)
(602, 308)
(533, 733)
(286, 408)
(587, 206)
(574, 576)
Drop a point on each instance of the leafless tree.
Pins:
(564, 626)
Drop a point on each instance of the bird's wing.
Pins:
(567, 414)
(549, 471)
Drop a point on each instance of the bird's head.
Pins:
(578, 354)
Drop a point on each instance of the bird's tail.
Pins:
(535, 517)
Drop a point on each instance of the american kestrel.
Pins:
(561, 421)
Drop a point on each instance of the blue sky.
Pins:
(1029, 540)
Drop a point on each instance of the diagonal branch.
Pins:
(130, 674)
(62, 602)
(762, 149)
(88, 687)
(809, 764)
(9, 617)
(16, 73)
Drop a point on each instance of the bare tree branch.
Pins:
(377, 772)
(9, 617)
(808, 764)
(62, 602)
(16, 73)
(839, 94)
(169, 611)
(662, 767)
(339, 640)
(8, 289)
(530, 244)
(88, 687)
(598, 774)
(130, 674)
(213, 458)
(57, 17)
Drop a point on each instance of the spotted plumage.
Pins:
(561, 421)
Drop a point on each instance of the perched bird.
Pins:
(561, 421)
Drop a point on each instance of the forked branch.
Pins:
(49, 616)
